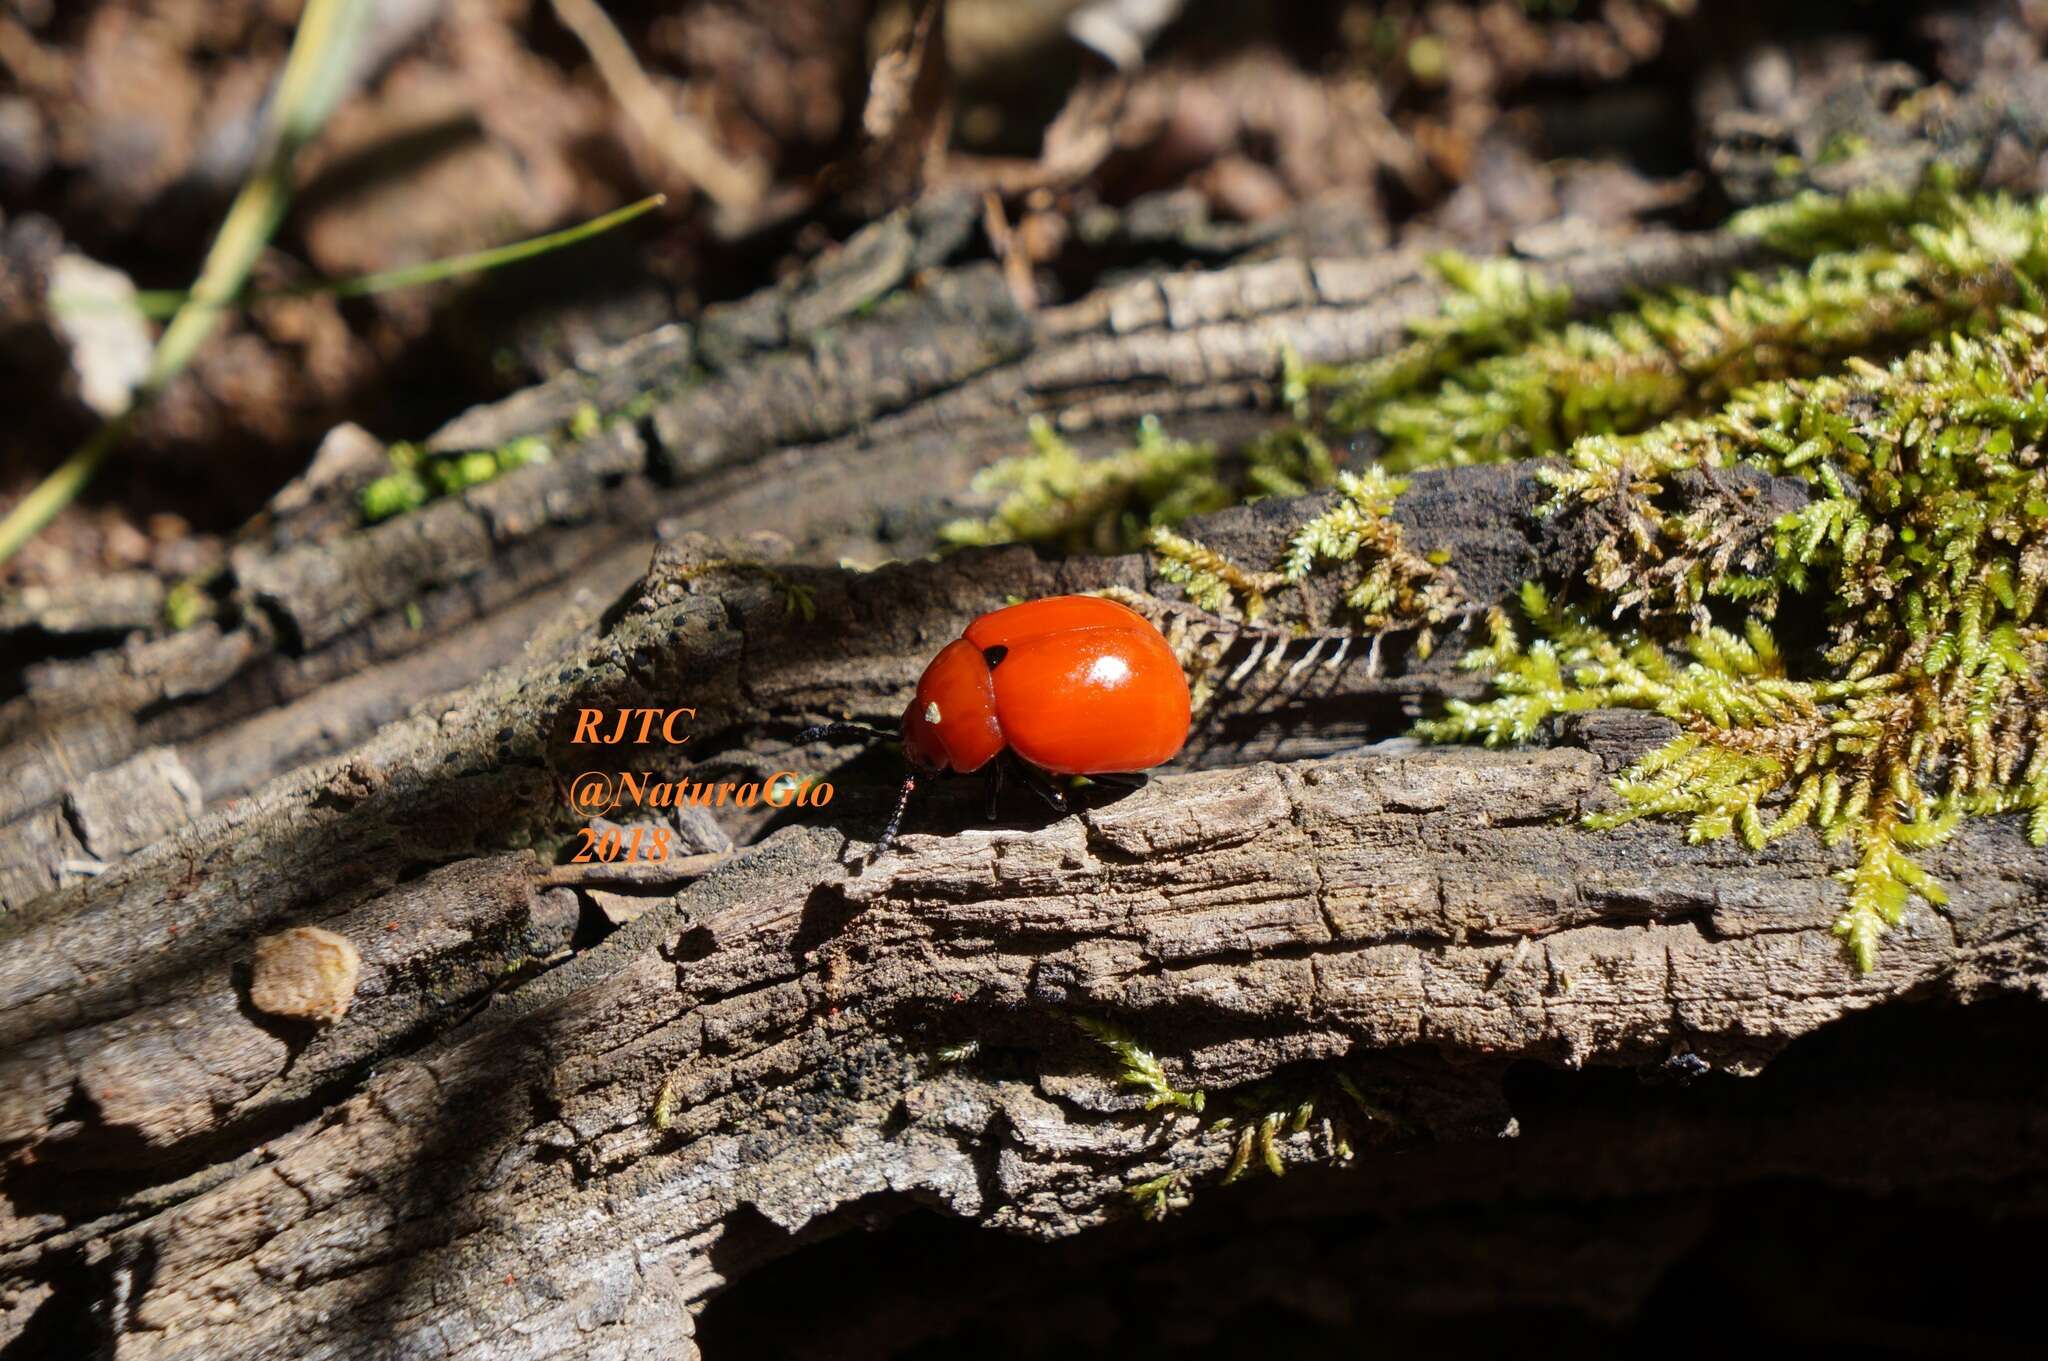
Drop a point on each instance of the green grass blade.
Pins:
(315, 73)
(161, 302)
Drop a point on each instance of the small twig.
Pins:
(1016, 264)
(735, 186)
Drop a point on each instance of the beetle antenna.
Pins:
(828, 730)
(888, 837)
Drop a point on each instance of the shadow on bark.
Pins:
(1875, 1188)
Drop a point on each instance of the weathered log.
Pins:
(772, 1044)
(783, 1038)
(536, 1131)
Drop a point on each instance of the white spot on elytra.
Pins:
(1109, 671)
(931, 712)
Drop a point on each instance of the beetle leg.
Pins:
(995, 787)
(1123, 779)
(888, 836)
(1042, 785)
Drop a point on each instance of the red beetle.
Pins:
(1070, 685)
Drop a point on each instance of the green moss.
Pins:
(1927, 540)
(1057, 498)
(1811, 223)
(1291, 461)
(1843, 146)
(1258, 1139)
(1054, 496)
(418, 476)
(1394, 586)
(187, 603)
(395, 493)
(1491, 305)
(1261, 1118)
(1385, 584)
(1161, 1196)
(1139, 1068)
(642, 406)
(1892, 369)
(1903, 281)
(1211, 580)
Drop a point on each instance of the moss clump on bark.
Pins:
(1928, 541)
(1925, 543)
(417, 477)
(1943, 263)
(1900, 368)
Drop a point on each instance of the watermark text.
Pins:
(637, 726)
(604, 791)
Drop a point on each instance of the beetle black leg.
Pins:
(1123, 779)
(888, 837)
(1042, 785)
(995, 787)
(872, 734)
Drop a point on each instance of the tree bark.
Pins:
(529, 1136)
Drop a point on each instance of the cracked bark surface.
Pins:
(851, 428)
(526, 1141)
